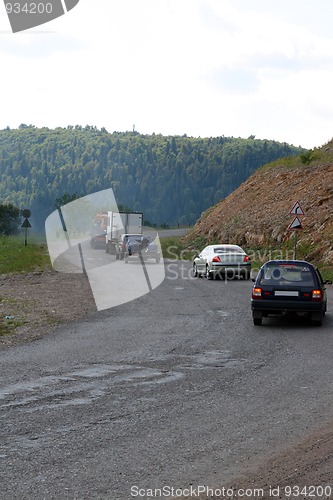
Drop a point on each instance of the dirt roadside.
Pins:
(33, 304)
(302, 472)
(36, 303)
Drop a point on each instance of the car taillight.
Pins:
(247, 258)
(216, 259)
(316, 295)
(256, 292)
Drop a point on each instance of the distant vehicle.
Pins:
(222, 260)
(98, 231)
(289, 286)
(130, 245)
(124, 242)
(152, 252)
(119, 223)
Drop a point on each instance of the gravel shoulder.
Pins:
(37, 302)
(306, 468)
(33, 304)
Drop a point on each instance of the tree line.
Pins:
(172, 179)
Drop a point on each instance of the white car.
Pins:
(222, 260)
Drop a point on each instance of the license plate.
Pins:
(286, 293)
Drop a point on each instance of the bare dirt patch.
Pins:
(302, 472)
(32, 304)
(306, 468)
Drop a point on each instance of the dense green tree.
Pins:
(10, 219)
(170, 179)
(65, 198)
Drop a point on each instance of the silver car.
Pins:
(221, 261)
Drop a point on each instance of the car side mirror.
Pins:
(328, 282)
(196, 256)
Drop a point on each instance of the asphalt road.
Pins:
(172, 389)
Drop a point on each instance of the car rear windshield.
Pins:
(134, 237)
(228, 250)
(287, 274)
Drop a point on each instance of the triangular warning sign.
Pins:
(297, 209)
(296, 224)
(26, 223)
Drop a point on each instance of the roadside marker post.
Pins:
(26, 224)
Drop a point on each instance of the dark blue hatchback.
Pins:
(289, 286)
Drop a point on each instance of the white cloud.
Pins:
(200, 67)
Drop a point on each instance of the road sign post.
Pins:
(26, 224)
(296, 224)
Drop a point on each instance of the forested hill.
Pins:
(172, 179)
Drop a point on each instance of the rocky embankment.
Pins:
(257, 213)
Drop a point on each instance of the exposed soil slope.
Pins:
(257, 213)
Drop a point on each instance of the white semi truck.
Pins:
(119, 223)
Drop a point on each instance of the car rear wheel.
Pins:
(317, 319)
(208, 273)
(257, 317)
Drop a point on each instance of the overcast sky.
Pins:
(198, 67)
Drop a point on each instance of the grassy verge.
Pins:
(17, 305)
(173, 247)
(17, 258)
